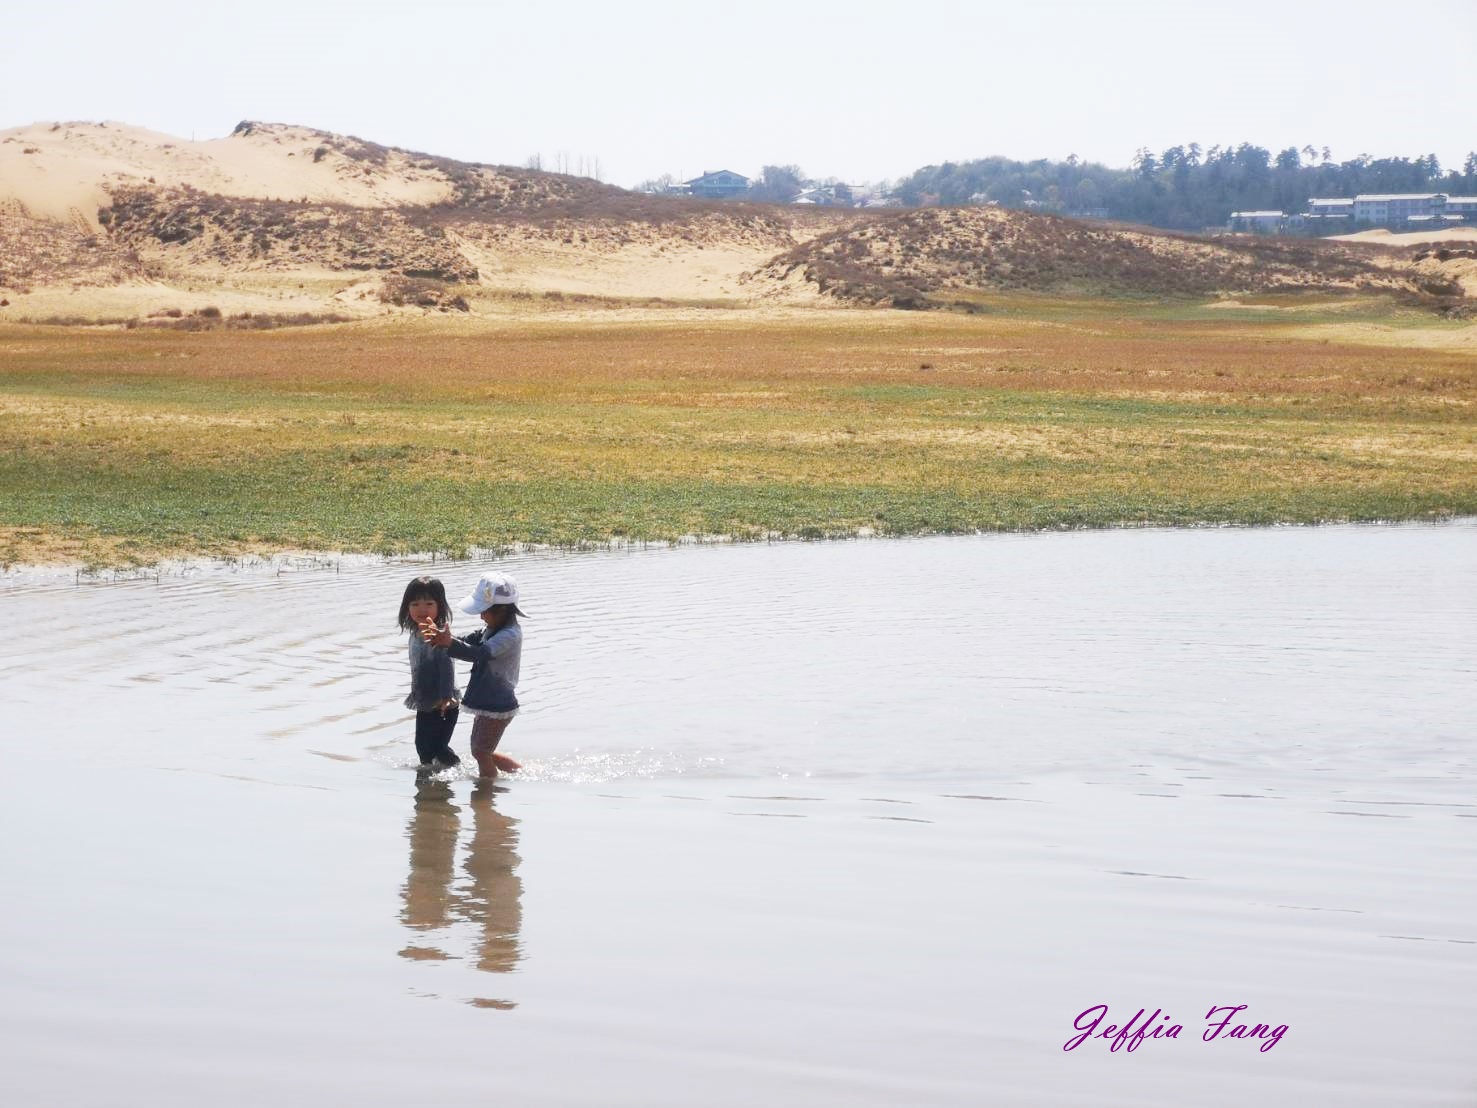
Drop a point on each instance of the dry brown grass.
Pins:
(37, 252)
(731, 359)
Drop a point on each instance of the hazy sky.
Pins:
(860, 90)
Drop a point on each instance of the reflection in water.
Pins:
(494, 896)
(432, 832)
(490, 897)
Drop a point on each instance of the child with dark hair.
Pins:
(433, 692)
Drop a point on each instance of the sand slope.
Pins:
(931, 255)
(281, 214)
(1382, 237)
(260, 216)
(66, 171)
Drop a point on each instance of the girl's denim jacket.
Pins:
(495, 660)
(432, 679)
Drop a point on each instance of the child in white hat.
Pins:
(495, 652)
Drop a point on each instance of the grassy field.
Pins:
(124, 446)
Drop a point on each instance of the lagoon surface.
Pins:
(860, 823)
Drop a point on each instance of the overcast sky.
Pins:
(858, 90)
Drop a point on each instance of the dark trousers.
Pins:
(433, 736)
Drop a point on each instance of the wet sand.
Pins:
(838, 824)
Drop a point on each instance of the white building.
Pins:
(1326, 208)
(1396, 207)
(1263, 222)
(1464, 206)
(1393, 209)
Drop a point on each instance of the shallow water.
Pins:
(845, 823)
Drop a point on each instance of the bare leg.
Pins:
(486, 733)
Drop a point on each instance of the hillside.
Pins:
(928, 256)
(104, 221)
(107, 220)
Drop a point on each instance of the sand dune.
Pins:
(97, 216)
(1382, 237)
(925, 256)
(119, 219)
(65, 171)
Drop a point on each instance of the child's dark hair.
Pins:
(424, 588)
(509, 613)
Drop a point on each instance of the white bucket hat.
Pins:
(490, 589)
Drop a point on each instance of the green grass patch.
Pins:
(116, 451)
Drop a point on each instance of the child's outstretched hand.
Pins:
(434, 635)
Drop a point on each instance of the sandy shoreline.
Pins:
(25, 575)
(278, 562)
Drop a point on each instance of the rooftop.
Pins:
(715, 173)
(1380, 197)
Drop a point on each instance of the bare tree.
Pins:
(780, 183)
(665, 183)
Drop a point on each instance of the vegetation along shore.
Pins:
(395, 435)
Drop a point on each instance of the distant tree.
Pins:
(779, 183)
(1085, 195)
(1186, 187)
(1254, 160)
(664, 183)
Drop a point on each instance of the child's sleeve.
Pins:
(474, 646)
(504, 641)
(466, 648)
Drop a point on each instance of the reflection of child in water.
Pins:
(491, 898)
(432, 834)
(495, 899)
(495, 653)
(433, 694)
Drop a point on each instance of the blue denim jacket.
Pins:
(432, 677)
(495, 660)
